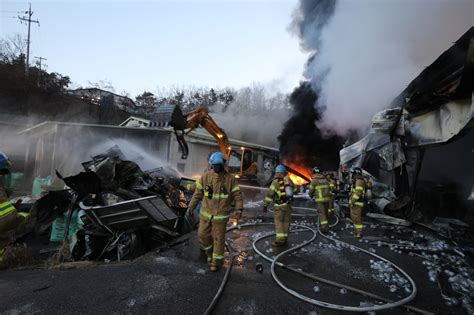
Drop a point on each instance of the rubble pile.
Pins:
(114, 210)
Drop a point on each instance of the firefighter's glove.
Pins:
(264, 209)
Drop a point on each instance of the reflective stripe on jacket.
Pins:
(319, 188)
(217, 192)
(276, 193)
(358, 192)
(5, 208)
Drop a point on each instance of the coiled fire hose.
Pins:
(274, 262)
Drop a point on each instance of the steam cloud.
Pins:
(364, 53)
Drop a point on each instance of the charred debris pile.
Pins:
(114, 210)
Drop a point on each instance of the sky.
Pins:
(149, 45)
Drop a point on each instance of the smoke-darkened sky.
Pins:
(139, 45)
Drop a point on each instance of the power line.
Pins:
(29, 20)
(40, 63)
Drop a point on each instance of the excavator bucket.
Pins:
(168, 115)
(171, 115)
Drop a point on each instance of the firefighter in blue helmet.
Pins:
(217, 189)
(281, 194)
(10, 218)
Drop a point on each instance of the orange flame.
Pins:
(297, 180)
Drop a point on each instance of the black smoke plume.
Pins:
(302, 142)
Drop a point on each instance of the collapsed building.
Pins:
(419, 152)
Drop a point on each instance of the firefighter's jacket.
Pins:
(319, 188)
(358, 189)
(6, 208)
(217, 192)
(277, 192)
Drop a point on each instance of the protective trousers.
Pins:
(282, 220)
(322, 208)
(331, 204)
(356, 216)
(211, 234)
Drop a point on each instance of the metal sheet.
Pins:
(439, 125)
(369, 142)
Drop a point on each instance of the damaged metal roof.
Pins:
(449, 77)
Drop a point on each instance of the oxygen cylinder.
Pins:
(288, 188)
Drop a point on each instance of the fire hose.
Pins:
(274, 262)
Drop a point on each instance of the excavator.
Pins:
(183, 124)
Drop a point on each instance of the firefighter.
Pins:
(10, 218)
(281, 194)
(332, 191)
(356, 200)
(217, 189)
(320, 191)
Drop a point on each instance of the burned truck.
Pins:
(419, 152)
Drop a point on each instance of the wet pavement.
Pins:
(177, 281)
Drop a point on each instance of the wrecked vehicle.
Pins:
(420, 149)
(120, 210)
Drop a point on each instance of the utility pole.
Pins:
(39, 62)
(29, 20)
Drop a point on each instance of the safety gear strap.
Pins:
(5, 208)
(210, 217)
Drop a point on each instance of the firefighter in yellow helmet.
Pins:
(217, 189)
(320, 191)
(10, 218)
(357, 199)
(281, 194)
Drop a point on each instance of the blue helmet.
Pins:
(5, 163)
(217, 158)
(280, 169)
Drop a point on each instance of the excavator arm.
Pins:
(171, 115)
(200, 117)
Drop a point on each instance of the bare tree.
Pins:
(11, 48)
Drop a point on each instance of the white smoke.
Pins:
(257, 114)
(371, 50)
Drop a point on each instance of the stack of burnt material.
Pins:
(114, 210)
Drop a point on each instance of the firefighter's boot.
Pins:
(215, 264)
(279, 242)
